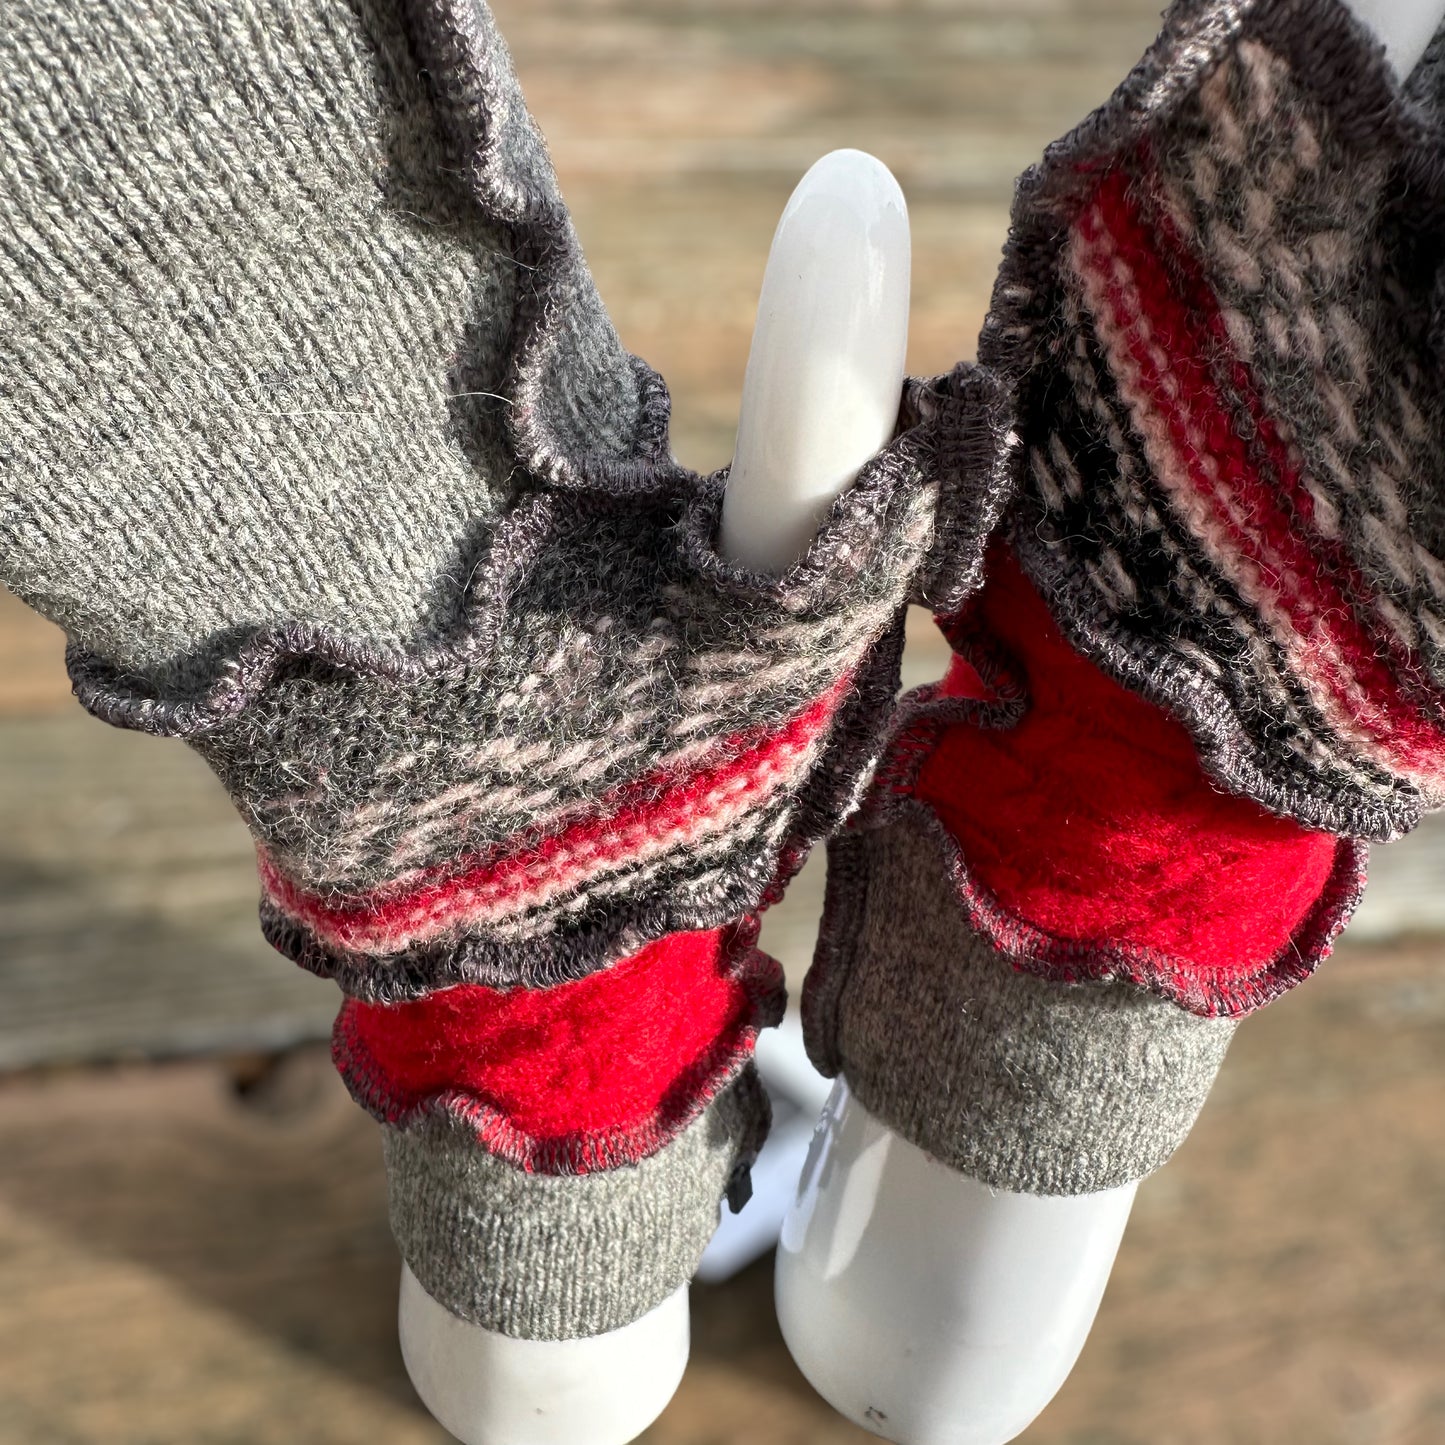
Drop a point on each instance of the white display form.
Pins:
(820, 398)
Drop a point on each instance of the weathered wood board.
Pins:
(678, 130)
(32, 671)
(128, 905)
(197, 1254)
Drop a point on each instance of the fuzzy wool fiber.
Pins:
(318, 442)
(1210, 663)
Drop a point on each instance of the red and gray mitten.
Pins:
(316, 439)
(1208, 662)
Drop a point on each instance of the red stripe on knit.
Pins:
(1092, 820)
(1184, 395)
(1369, 642)
(584, 1075)
(627, 822)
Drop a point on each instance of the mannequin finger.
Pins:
(826, 368)
(1403, 27)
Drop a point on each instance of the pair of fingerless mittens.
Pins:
(317, 441)
(1207, 667)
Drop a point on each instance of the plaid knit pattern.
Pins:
(1216, 308)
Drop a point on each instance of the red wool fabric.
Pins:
(582, 1075)
(1092, 820)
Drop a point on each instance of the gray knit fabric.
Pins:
(257, 330)
(614, 649)
(367, 502)
(1023, 1084)
(479, 1234)
(316, 439)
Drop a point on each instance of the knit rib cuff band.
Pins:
(1025, 1085)
(544, 1257)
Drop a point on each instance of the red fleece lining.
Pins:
(1092, 820)
(583, 1075)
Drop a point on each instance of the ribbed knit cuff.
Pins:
(555, 1257)
(557, 1156)
(1026, 1085)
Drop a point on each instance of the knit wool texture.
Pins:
(485, 1237)
(1041, 928)
(1031, 1086)
(316, 439)
(1220, 312)
(1088, 841)
(580, 1077)
(1135, 810)
(606, 731)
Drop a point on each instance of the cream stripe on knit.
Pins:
(721, 810)
(1303, 301)
(1132, 496)
(762, 832)
(481, 812)
(1099, 268)
(478, 807)
(1300, 736)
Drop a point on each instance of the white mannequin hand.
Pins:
(821, 396)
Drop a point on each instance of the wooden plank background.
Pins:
(196, 1253)
(193, 1247)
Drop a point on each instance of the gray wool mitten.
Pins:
(1208, 661)
(317, 441)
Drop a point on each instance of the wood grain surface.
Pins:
(32, 671)
(193, 1246)
(128, 905)
(197, 1254)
